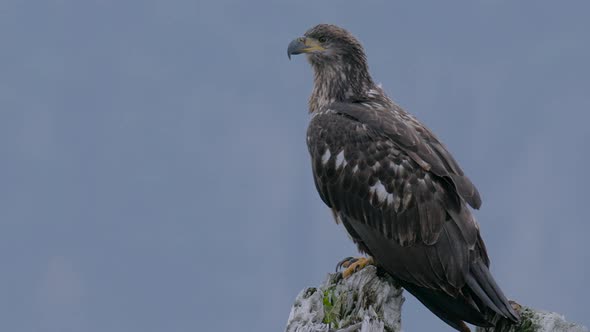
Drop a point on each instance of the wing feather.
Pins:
(418, 142)
(389, 203)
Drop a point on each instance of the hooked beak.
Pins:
(303, 45)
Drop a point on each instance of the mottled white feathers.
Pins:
(326, 156)
(340, 161)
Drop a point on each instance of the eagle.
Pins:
(396, 189)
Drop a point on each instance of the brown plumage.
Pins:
(394, 186)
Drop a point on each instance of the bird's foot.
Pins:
(352, 265)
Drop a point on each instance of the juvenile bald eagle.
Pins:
(394, 186)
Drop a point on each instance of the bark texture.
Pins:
(370, 301)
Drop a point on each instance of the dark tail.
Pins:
(485, 289)
(480, 302)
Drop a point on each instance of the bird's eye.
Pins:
(322, 39)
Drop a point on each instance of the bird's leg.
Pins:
(353, 264)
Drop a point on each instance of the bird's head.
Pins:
(327, 44)
(339, 63)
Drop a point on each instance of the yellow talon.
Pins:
(352, 265)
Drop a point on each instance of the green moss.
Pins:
(336, 314)
(526, 322)
(331, 314)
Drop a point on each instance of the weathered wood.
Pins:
(533, 320)
(371, 302)
(364, 302)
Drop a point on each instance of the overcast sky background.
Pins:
(154, 169)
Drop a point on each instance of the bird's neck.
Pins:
(339, 83)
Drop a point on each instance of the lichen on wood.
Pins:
(532, 320)
(370, 301)
(367, 301)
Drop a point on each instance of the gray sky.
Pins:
(155, 175)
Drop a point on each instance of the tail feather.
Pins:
(451, 310)
(480, 302)
(482, 295)
(483, 278)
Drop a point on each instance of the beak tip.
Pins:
(295, 47)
